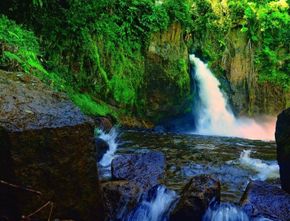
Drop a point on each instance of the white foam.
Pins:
(264, 170)
(111, 139)
(225, 212)
(214, 115)
(155, 209)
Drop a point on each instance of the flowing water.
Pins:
(112, 140)
(214, 115)
(233, 160)
(155, 206)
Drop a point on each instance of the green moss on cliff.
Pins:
(20, 52)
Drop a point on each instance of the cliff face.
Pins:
(167, 81)
(249, 96)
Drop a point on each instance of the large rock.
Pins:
(263, 199)
(52, 149)
(119, 198)
(145, 168)
(196, 197)
(102, 147)
(283, 148)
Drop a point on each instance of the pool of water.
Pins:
(233, 160)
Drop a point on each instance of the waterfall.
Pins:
(155, 207)
(214, 115)
(111, 139)
(225, 212)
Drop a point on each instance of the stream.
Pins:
(233, 160)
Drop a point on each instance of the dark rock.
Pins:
(8, 202)
(102, 147)
(283, 148)
(104, 123)
(263, 199)
(144, 168)
(119, 198)
(52, 149)
(196, 197)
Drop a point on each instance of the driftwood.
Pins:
(46, 205)
(20, 187)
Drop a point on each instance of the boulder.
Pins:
(265, 200)
(283, 148)
(196, 197)
(119, 198)
(51, 147)
(145, 168)
(101, 148)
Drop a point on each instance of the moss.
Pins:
(89, 106)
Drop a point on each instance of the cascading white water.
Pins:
(111, 139)
(225, 212)
(214, 115)
(264, 170)
(156, 208)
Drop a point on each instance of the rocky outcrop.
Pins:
(167, 81)
(102, 147)
(196, 197)
(119, 198)
(104, 123)
(248, 95)
(51, 147)
(145, 169)
(283, 148)
(264, 200)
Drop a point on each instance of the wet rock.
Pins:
(52, 149)
(283, 148)
(196, 197)
(119, 198)
(269, 201)
(102, 147)
(145, 168)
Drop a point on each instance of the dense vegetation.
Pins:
(94, 50)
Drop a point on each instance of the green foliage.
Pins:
(19, 46)
(20, 52)
(91, 107)
(267, 25)
(100, 50)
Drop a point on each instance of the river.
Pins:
(233, 160)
